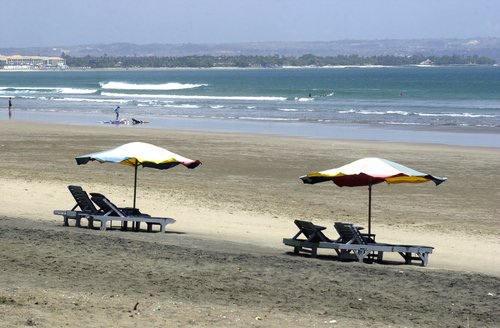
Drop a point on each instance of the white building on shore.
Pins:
(18, 62)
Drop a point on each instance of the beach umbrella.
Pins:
(137, 154)
(368, 172)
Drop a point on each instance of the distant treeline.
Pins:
(206, 61)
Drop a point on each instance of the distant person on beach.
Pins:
(10, 107)
(117, 112)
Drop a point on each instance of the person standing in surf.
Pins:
(117, 112)
(10, 107)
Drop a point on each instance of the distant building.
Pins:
(31, 62)
(427, 62)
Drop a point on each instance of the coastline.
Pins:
(210, 103)
(223, 263)
(456, 136)
(118, 69)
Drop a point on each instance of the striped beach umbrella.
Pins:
(137, 154)
(370, 171)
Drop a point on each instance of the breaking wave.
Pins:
(45, 90)
(126, 95)
(153, 87)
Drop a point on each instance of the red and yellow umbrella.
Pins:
(370, 171)
(137, 154)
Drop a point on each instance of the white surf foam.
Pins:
(112, 94)
(34, 90)
(155, 87)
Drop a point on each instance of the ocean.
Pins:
(408, 104)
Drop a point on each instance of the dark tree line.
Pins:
(206, 61)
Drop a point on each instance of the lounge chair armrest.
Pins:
(369, 237)
(66, 213)
(128, 211)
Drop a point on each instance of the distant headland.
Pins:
(480, 51)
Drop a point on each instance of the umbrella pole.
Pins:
(135, 181)
(369, 209)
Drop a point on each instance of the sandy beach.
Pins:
(223, 262)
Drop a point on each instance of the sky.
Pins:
(45, 23)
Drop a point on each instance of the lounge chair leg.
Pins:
(380, 257)
(103, 225)
(361, 255)
(407, 258)
(425, 258)
(314, 252)
(66, 223)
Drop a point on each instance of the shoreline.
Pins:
(455, 136)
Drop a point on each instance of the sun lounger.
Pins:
(108, 208)
(313, 236)
(350, 234)
(363, 246)
(111, 212)
(82, 209)
(352, 244)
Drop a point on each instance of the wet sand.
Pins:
(223, 263)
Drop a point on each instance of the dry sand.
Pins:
(223, 263)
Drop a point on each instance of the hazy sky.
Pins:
(25, 23)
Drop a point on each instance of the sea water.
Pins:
(410, 104)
